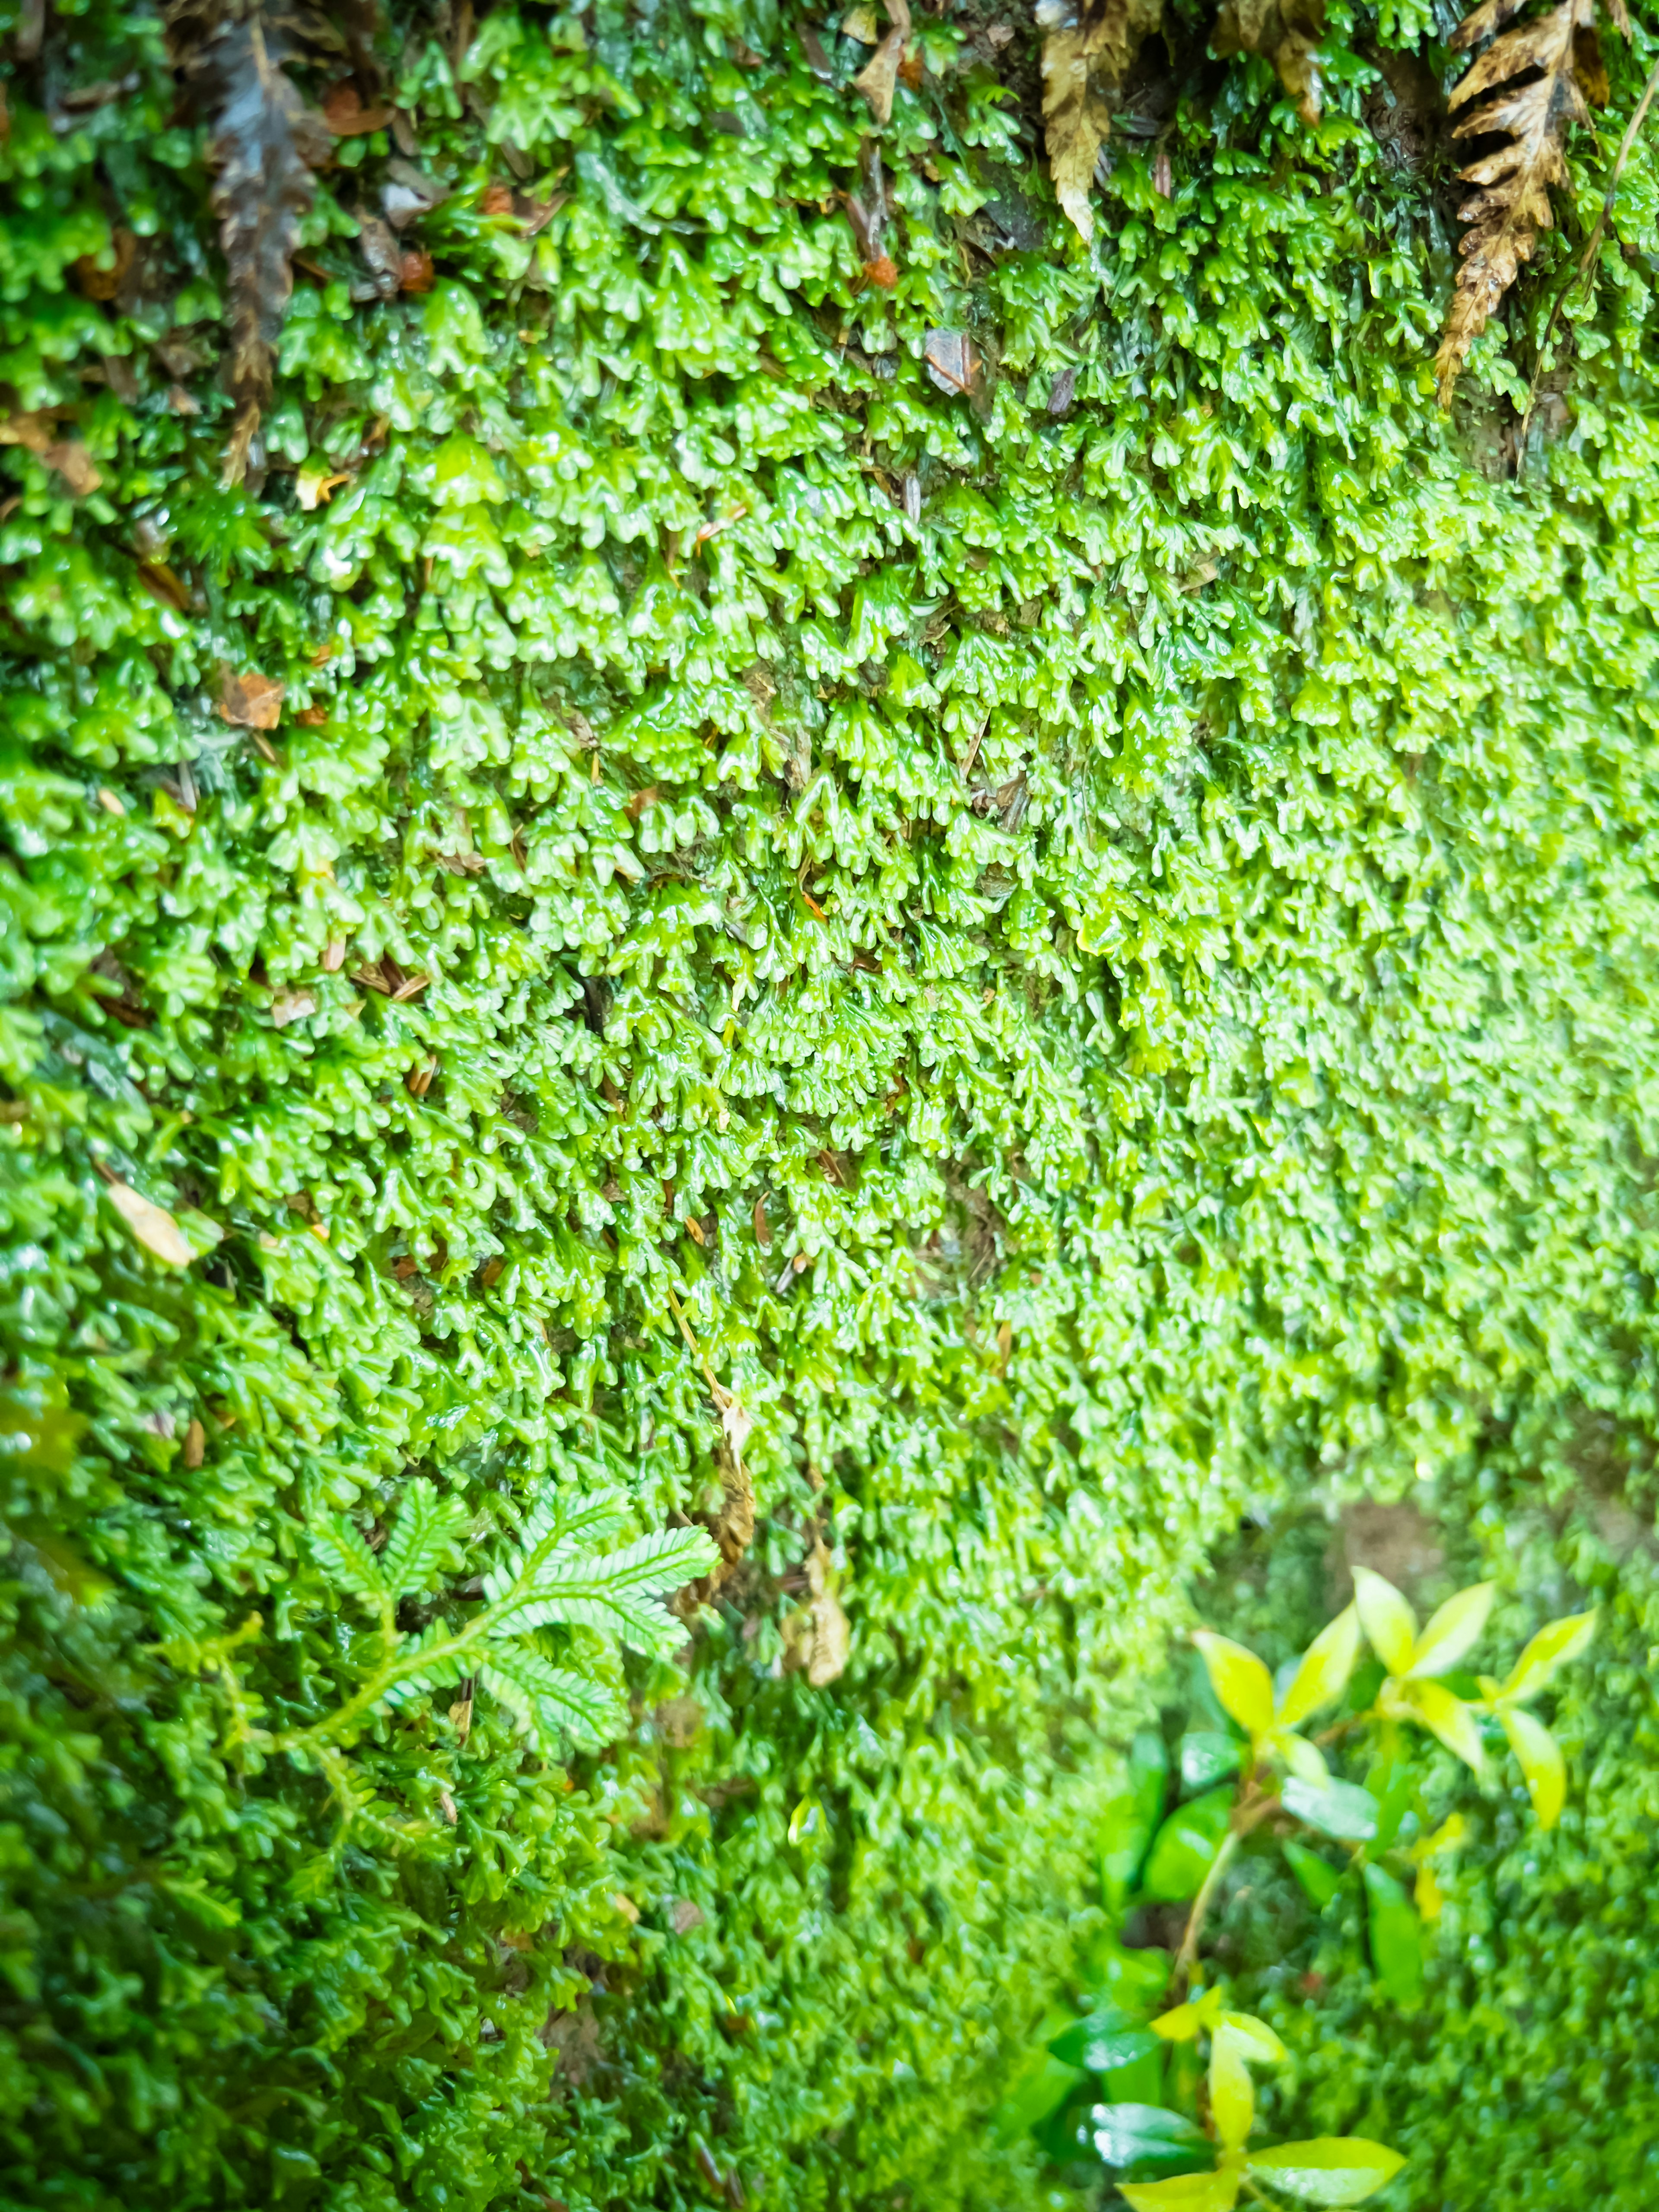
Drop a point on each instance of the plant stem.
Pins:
(1187, 1956)
(1245, 1817)
(1587, 261)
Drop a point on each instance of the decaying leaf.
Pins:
(1286, 32)
(98, 283)
(382, 254)
(265, 144)
(1085, 57)
(292, 1007)
(954, 361)
(75, 464)
(346, 116)
(153, 1226)
(878, 79)
(250, 701)
(817, 1639)
(1528, 87)
(866, 211)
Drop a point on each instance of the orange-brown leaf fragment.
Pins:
(1525, 88)
(346, 116)
(251, 701)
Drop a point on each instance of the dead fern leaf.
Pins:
(878, 79)
(265, 144)
(1286, 32)
(1527, 86)
(1085, 57)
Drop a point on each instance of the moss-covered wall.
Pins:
(1094, 929)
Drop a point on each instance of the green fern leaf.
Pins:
(419, 1674)
(428, 1520)
(549, 1701)
(557, 1527)
(342, 1553)
(615, 1593)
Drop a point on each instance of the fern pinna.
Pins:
(556, 1576)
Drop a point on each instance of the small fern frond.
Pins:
(554, 1527)
(550, 1702)
(341, 1550)
(615, 1593)
(422, 1667)
(429, 1522)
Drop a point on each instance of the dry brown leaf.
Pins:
(416, 271)
(762, 1226)
(1286, 32)
(75, 464)
(292, 1007)
(334, 955)
(100, 283)
(250, 701)
(153, 1226)
(1085, 57)
(34, 431)
(195, 1445)
(418, 1081)
(1510, 204)
(818, 1640)
(265, 144)
(878, 78)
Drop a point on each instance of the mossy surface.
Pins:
(1095, 930)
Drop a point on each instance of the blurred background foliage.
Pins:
(1031, 833)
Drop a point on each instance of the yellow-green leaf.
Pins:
(1187, 2192)
(1390, 1623)
(1454, 1631)
(1325, 1668)
(1242, 1686)
(1541, 1762)
(1451, 1720)
(153, 1226)
(1182, 2023)
(1329, 2170)
(1254, 2037)
(1232, 2092)
(1550, 1648)
(1304, 1760)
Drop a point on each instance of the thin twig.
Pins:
(1586, 262)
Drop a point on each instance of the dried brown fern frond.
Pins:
(1286, 32)
(1085, 57)
(1528, 85)
(265, 144)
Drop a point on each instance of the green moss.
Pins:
(1152, 896)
